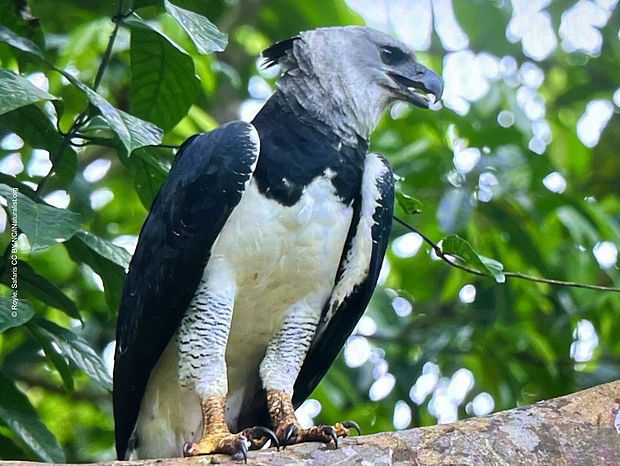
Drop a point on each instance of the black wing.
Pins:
(205, 183)
(357, 275)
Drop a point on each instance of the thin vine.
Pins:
(449, 259)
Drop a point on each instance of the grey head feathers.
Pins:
(347, 76)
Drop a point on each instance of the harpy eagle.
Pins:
(260, 254)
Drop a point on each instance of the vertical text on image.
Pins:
(13, 255)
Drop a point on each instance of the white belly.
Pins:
(279, 255)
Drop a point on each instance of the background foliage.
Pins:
(521, 162)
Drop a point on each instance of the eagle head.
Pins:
(349, 75)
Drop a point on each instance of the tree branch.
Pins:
(578, 429)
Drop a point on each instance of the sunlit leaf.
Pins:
(13, 312)
(43, 224)
(9, 37)
(142, 133)
(131, 131)
(105, 248)
(16, 92)
(77, 350)
(409, 204)
(456, 246)
(163, 79)
(205, 35)
(495, 267)
(17, 414)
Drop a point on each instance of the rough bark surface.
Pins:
(578, 429)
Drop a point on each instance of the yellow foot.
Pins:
(288, 430)
(236, 445)
(291, 433)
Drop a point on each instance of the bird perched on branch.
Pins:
(260, 254)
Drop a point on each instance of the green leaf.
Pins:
(9, 37)
(77, 350)
(409, 204)
(495, 267)
(457, 246)
(44, 290)
(13, 312)
(105, 248)
(132, 132)
(163, 79)
(19, 415)
(142, 133)
(149, 173)
(35, 127)
(43, 224)
(16, 92)
(15, 183)
(112, 274)
(203, 33)
(56, 359)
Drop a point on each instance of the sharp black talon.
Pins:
(290, 433)
(353, 425)
(187, 447)
(260, 431)
(332, 433)
(242, 449)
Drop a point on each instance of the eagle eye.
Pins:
(392, 55)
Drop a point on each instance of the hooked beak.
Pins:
(416, 84)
